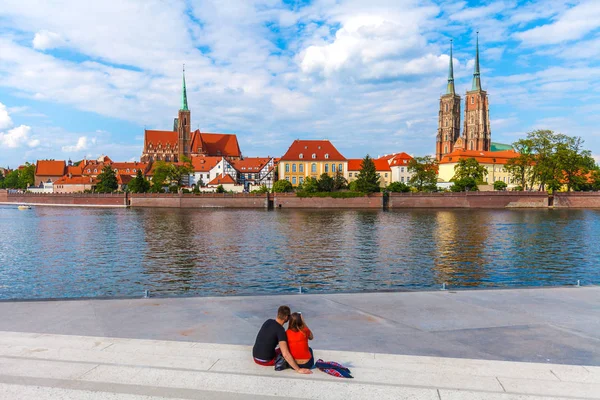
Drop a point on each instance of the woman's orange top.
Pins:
(298, 343)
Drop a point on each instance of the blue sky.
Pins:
(80, 79)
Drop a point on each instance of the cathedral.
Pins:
(171, 146)
(476, 134)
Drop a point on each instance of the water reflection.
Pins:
(61, 252)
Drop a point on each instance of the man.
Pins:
(270, 335)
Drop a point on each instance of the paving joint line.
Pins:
(438, 393)
(213, 364)
(557, 377)
(501, 385)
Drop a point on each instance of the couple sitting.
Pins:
(293, 344)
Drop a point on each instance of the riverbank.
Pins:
(554, 325)
(380, 201)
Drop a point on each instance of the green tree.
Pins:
(178, 173)
(139, 184)
(282, 186)
(500, 185)
(1, 180)
(107, 180)
(339, 182)
(12, 180)
(310, 185)
(469, 168)
(160, 177)
(220, 189)
(325, 183)
(424, 173)
(261, 190)
(398, 187)
(27, 176)
(520, 168)
(367, 180)
(574, 162)
(466, 184)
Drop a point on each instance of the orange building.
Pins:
(47, 171)
(493, 161)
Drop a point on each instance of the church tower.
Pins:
(183, 124)
(449, 116)
(477, 134)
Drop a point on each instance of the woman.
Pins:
(298, 336)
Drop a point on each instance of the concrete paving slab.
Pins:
(566, 389)
(469, 395)
(516, 324)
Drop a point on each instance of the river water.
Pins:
(55, 252)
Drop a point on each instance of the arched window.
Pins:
(326, 168)
(445, 149)
(293, 167)
(287, 167)
(301, 156)
(301, 167)
(472, 99)
(326, 155)
(341, 167)
(471, 145)
(95, 170)
(446, 122)
(313, 167)
(332, 167)
(314, 156)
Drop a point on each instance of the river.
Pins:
(58, 252)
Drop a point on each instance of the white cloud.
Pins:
(82, 144)
(5, 120)
(18, 137)
(573, 24)
(45, 40)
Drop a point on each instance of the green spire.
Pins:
(450, 89)
(184, 105)
(476, 75)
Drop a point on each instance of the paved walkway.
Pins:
(559, 325)
(44, 367)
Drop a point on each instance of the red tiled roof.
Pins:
(354, 164)
(483, 157)
(75, 180)
(205, 164)
(124, 179)
(215, 144)
(400, 159)
(74, 170)
(249, 164)
(50, 168)
(307, 148)
(122, 167)
(161, 137)
(222, 180)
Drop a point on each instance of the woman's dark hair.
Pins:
(296, 323)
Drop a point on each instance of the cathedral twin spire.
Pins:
(476, 73)
(184, 104)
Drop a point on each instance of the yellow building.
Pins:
(311, 158)
(382, 167)
(493, 161)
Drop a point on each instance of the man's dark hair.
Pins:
(283, 313)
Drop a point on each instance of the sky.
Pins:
(80, 79)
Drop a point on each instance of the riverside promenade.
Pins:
(480, 344)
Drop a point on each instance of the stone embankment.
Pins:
(291, 201)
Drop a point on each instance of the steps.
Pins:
(44, 366)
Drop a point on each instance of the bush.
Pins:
(220, 189)
(499, 185)
(173, 189)
(282, 186)
(517, 189)
(335, 195)
(261, 190)
(465, 185)
(325, 183)
(186, 191)
(398, 187)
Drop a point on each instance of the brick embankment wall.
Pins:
(576, 200)
(290, 200)
(3, 196)
(66, 199)
(469, 200)
(208, 200)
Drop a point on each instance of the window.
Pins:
(89, 170)
(314, 156)
(472, 99)
(326, 155)
(446, 107)
(287, 167)
(313, 167)
(301, 156)
(128, 170)
(401, 179)
(293, 180)
(471, 146)
(446, 122)
(301, 179)
(445, 149)
(134, 170)
(386, 174)
(401, 169)
(293, 167)
(301, 167)
(287, 178)
(95, 170)
(341, 167)
(350, 174)
(332, 167)
(326, 168)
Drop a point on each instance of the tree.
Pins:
(466, 184)
(27, 176)
(339, 182)
(1, 180)
(139, 184)
(12, 180)
(469, 168)
(500, 185)
(261, 190)
(325, 183)
(520, 168)
(310, 185)
(398, 187)
(282, 186)
(107, 180)
(220, 189)
(368, 180)
(180, 172)
(424, 173)
(574, 162)
(159, 179)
